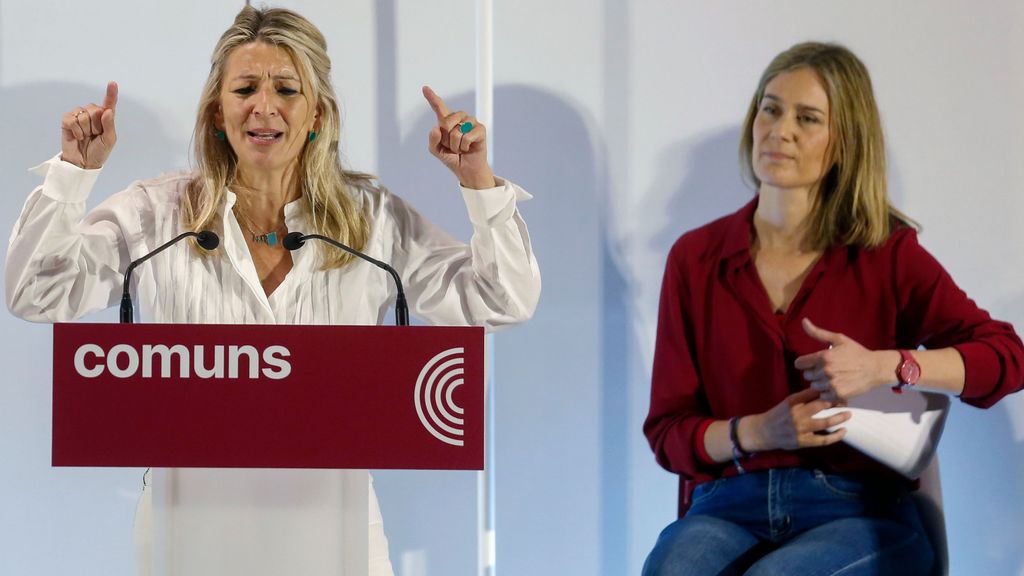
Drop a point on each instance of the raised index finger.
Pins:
(110, 100)
(436, 103)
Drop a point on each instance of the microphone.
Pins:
(295, 240)
(207, 241)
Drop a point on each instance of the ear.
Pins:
(217, 115)
(316, 118)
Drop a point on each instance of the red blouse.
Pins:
(721, 350)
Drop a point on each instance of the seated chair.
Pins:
(929, 504)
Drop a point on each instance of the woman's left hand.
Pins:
(464, 153)
(846, 369)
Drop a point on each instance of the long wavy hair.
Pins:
(852, 205)
(325, 184)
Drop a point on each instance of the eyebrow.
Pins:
(802, 107)
(258, 76)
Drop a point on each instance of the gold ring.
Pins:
(79, 113)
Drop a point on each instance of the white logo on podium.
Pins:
(434, 388)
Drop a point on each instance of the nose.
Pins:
(783, 128)
(265, 103)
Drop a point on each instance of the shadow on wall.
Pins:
(32, 136)
(32, 126)
(144, 149)
(85, 513)
(982, 458)
(982, 454)
(698, 181)
(548, 371)
(982, 476)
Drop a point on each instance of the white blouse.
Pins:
(63, 263)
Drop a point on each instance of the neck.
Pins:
(781, 218)
(263, 194)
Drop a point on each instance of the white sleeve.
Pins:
(61, 263)
(492, 282)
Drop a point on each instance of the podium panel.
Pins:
(259, 437)
(218, 396)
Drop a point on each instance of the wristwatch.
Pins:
(907, 373)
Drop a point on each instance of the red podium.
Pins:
(193, 401)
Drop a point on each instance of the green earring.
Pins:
(219, 135)
(312, 135)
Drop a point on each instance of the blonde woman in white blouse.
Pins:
(266, 147)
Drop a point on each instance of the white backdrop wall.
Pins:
(622, 118)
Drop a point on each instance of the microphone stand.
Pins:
(295, 240)
(207, 241)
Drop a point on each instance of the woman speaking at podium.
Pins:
(267, 162)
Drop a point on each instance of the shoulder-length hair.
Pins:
(852, 205)
(324, 183)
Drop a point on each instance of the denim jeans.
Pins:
(794, 522)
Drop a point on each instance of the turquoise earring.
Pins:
(312, 135)
(219, 135)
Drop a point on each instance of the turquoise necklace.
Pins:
(270, 238)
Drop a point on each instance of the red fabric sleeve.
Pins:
(936, 313)
(675, 419)
(698, 443)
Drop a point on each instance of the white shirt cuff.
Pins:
(492, 206)
(65, 182)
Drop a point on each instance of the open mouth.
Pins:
(265, 135)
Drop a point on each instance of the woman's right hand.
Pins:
(791, 424)
(87, 133)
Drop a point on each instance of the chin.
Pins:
(260, 164)
(781, 179)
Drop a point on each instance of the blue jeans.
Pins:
(794, 522)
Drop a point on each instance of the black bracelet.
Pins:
(738, 452)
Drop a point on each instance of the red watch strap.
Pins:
(908, 372)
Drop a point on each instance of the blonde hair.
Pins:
(324, 182)
(852, 205)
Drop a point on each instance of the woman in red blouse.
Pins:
(814, 293)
